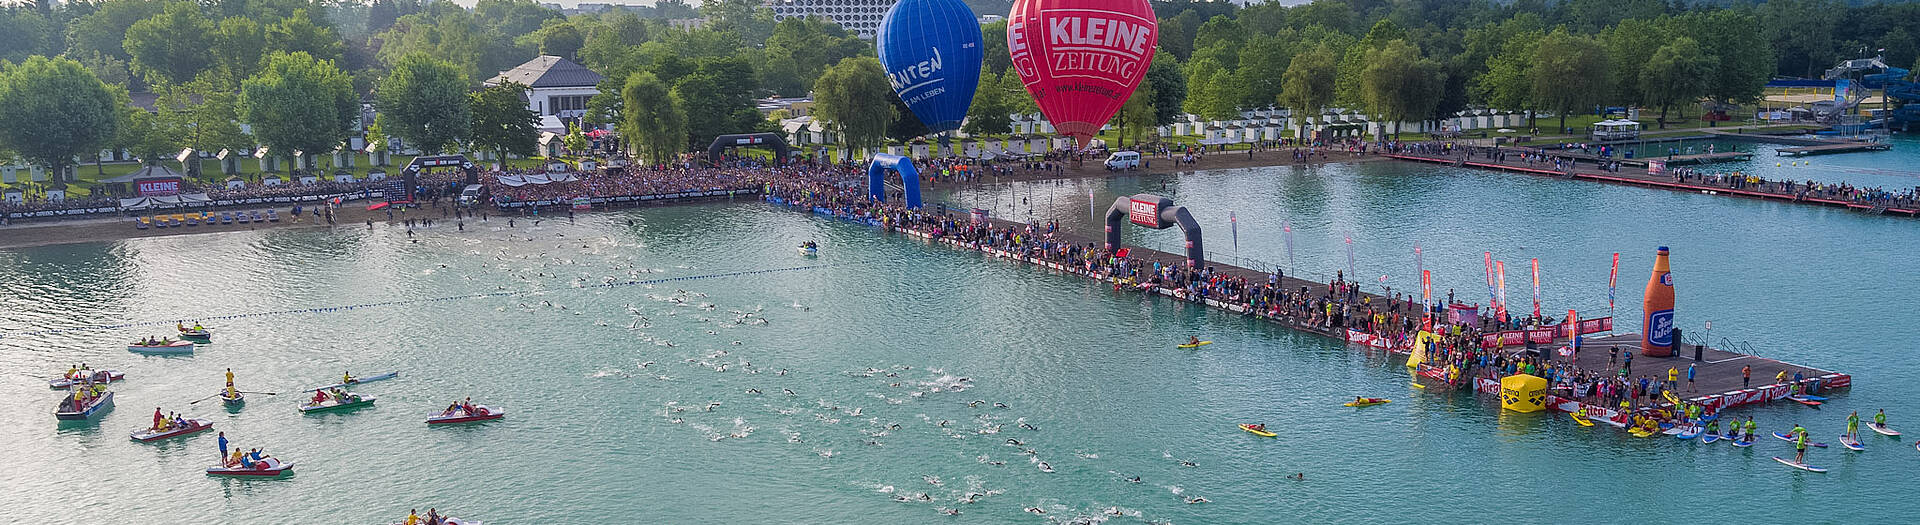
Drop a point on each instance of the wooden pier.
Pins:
(1846, 147)
(1642, 179)
(1717, 384)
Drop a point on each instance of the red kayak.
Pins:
(193, 426)
(480, 413)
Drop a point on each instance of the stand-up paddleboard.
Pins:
(1690, 433)
(1670, 397)
(1196, 345)
(1784, 437)
(1851, 444)
(1883, 430)
(1742, 444)
(1709, 438)
(1801, 466)
(1812, 398)
(1804, 401)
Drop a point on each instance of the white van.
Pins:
(471, 194)
(1123, 160)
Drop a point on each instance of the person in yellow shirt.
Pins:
(229, 377)
(413, 517)
(1673, 378)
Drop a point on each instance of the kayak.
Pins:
(99, 376)
(356, 381)
(193, 425)
(1640, 432)
(1883, 430)
(1801, 466)
(1368, 402)
(1709, 438)
(1851, 445)
(1784, 437)
(1257, 432)
(481, 413)
(1804, 401)
(174, 347)
(266, 467)
(355, 403)
(67, 411)
(1196, 345)
(1581, 420)
(448, 521)
(1670, 397)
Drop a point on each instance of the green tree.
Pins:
(905, 126)
(654, 124)
(1307, 86)
(720, 91)
(54, 109)
(1569, 73)
(301, 31)
(801, 48)
(201, 116)
(1347, 90)
(30, 32)
(1508, 82)
(1676, 74)
(1399, 85)
(1741, 56)
(1630, 45)
(171, 47)
(299, 103)
(238, 44)
(145, 136)
(501, 121)
(1136, 117)
(1169, 88)
(848, 97)
(561, 40)
(424, 102)
(512, 18)
(992, 108)
(104, 30)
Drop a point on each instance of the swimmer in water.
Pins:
(1185, 463)
(1028, 427)
(1036, 510)
(1302, 476)
(975, 403)
(789, 391)
(949, 512)
(1196, 499)
(1135, 479)
(1014, 442)
(998, 404)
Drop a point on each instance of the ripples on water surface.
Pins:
(593, 436)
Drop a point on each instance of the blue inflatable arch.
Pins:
(877, 178)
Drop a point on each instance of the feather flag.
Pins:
(1492, 300)
(1092, 209)
(1350, 273)
(1536, 287)
(1500, 306)
(1419, 262)
(1426, 287)
(1613, 276)
(1233, 221)
(1286, 234)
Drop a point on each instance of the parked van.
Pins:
(1123, 160)
(472, 194)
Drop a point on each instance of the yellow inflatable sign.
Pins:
(1523, 393)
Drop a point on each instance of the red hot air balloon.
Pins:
(1081, 59)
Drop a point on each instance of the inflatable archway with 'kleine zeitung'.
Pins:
(1154, 211)
(1523, 393)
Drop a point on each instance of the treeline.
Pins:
(670, 88)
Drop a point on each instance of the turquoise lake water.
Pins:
(592, 436)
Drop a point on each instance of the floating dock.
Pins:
(1641, 179)
(1717, 380)
(1847, 147)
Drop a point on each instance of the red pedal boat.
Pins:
(480, 413)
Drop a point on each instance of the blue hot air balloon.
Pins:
(931, 50)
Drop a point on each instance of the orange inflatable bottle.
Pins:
(1657, 321)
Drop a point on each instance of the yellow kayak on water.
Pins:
(1368, 402)
(1196, 345)
(1255, 431)
(1641, 432)
(1581, 420)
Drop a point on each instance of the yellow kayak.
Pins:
(1196, 345)
(1368, 402)
(1581, 420)
(1640, 432)
(1257, 432)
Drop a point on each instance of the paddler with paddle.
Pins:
(1853, 426)
(1799, 434)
